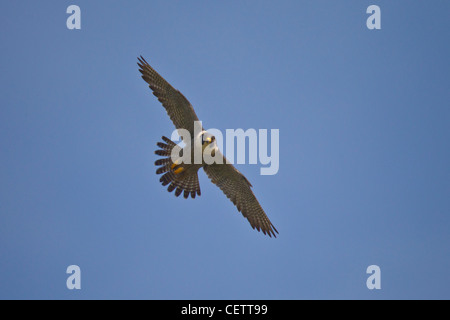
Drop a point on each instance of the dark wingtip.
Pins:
(271, 231)
(141, 59)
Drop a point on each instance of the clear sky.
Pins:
(364, 123)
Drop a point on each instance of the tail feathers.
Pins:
(166, 148)
(176, 176)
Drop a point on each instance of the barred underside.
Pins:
(185, 181)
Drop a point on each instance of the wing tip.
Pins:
(271, 232)
(142, 60)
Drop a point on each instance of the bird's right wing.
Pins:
(238, 189)
(177, 106)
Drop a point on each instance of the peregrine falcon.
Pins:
(183, 176)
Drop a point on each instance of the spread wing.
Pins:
(177, 106)
(238, 189)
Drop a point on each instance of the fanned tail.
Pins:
(178, 177)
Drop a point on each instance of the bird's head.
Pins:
(208, 141)
(207, 138)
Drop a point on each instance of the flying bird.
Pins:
(183, 176)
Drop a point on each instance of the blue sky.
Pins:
(364, 174)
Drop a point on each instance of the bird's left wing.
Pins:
(177, 106)
(238, 189)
